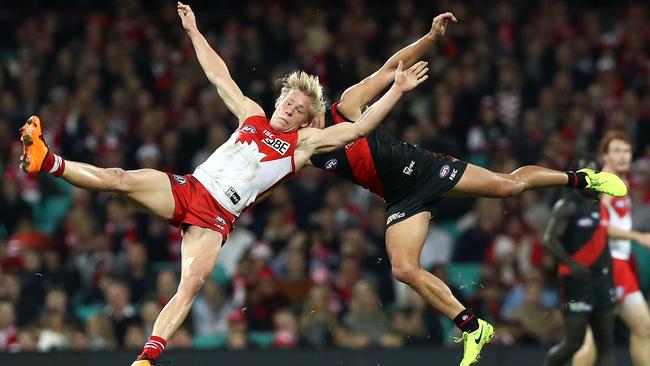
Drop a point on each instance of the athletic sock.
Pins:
(152, 349)
(53, 164)
(576, 179)
(466, 321)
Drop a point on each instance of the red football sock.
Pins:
(53, 164)
(152, 349)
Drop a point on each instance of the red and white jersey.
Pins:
(620, 216)
(253, 160)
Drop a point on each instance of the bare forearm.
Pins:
(616, 233)
(211, 63)
(411, 53)
(375, 114)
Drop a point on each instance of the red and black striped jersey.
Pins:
(379, 162)
(585, 238)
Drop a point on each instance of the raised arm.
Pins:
(358, 95)
(562, 213)
(339, 135)
(216, 70)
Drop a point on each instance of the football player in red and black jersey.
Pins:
(412, 180)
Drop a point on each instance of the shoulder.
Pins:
(564, 207)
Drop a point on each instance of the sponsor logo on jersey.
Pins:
(233, 195)
(180, 179)
(444, 171)
(395, 216)
(248, 129)
(331, 164)
(277, 144)
(579, 306)
(349, 145)
(453, 174)
(408, 170)
(585, 222)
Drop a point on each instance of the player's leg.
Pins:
(586, 354)
(602, 325)
(147, 188)
(404, 242)
(574, 334)
(199, 252)
(477, 181)
(634, 312)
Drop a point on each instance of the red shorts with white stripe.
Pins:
(196, 206)
(625, 281)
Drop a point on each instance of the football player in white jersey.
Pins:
(616, 151)
(204, 217)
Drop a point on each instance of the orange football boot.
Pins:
(34, 148)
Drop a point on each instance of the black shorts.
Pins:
(587, 295)
(442, 173)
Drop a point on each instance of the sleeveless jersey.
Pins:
(253, 160)
(585, 238)
(620, 216)
(378, 162)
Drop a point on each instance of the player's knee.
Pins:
(189, 287)
(405, 272)
(641, 330)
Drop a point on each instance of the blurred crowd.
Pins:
(117, 84)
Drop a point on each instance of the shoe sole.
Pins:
(27, 140)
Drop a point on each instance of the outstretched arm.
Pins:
(562, 213)
(358, 95)
(215, 68)
(639, 237)
(337, 136)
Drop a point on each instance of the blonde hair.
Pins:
(308, 85)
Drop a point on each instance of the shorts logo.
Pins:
(408, 170)
(585, 222)
(331, 164)
(180, 179)
(221, 222)
(579, 306)
(248, 129)
(620, 292)
(233, 195)
(395, 216)
(444, 171)
(453, 174)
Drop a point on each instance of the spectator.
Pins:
(53, 335)
(100, 332)
(119, 309)
(210, 310)
(7, 329)
(366, 317)
(417, 323)
(318, 319)
(285, 330)
(237, 331)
